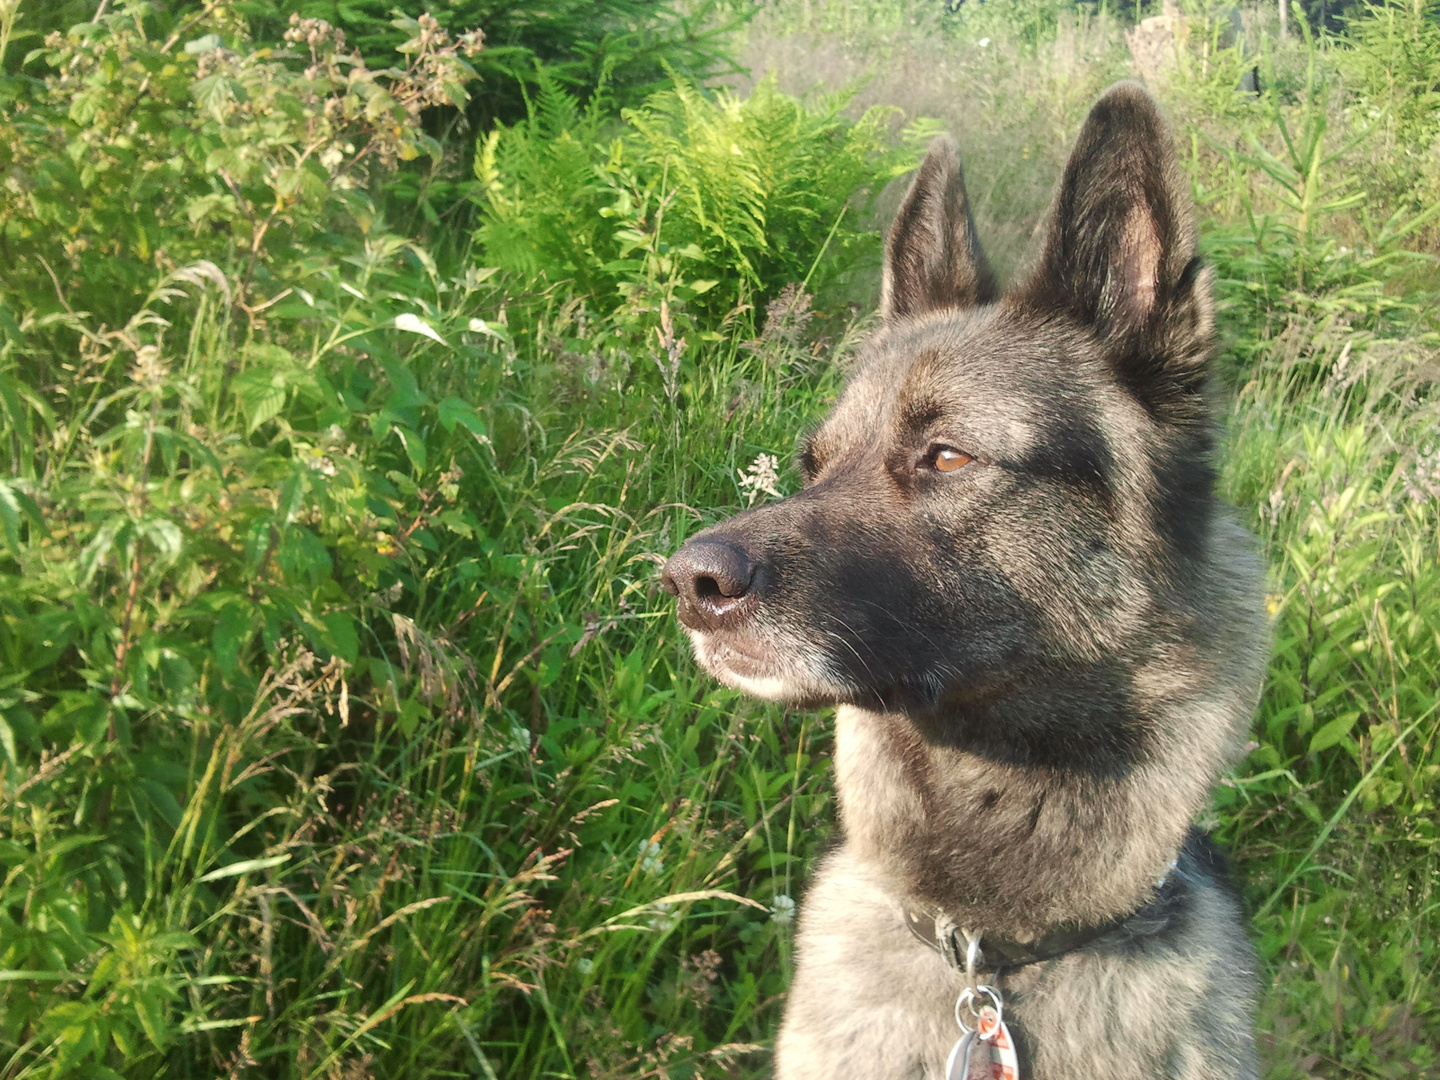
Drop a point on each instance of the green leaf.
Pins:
(7, 740)
(1332, 732)
(164, 535)
(341, 636)
(261, 393)
(456, 522)
(212, 94)
(413, 324)
(234, 628)
(414, 448)
(99, 547)
(15, 505)
(208, 43)
(454, 411)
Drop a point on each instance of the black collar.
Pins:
(1000, 954)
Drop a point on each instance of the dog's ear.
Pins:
(1120, 254)
(932, 256)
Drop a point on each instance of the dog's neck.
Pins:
(1002, 812)
(1018, 848)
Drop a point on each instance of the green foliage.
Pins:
(295, 611)
(1028, 24)
(328, 629)
(238, 154)
(1330, 301)
(1390, 56)
(717, 199)
(1341, 788)
(631, 47)
(628, 46)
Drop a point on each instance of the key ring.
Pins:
(990, 1039)
(985, 1026)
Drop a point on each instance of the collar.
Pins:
(998, 954)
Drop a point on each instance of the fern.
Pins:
(737, 194)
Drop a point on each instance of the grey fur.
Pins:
(1042, 659)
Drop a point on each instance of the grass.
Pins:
(345, 731)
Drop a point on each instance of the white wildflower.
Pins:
(664, 918)
(650, 861)
(782, 910)
(762, 477)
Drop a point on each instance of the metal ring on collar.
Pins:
(966, 1000)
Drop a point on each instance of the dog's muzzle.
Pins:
(714, 579)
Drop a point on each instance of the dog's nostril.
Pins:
(707, 588)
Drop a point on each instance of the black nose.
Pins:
(712, 579)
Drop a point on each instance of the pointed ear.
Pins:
(932, 256)
(1120, 255)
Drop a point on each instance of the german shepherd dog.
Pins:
(1009, 569)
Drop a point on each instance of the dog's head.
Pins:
(1012, 489)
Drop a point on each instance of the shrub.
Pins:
(629, 46)
(240, 155)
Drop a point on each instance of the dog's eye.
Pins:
(947, 459)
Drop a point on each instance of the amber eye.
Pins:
(947, 459)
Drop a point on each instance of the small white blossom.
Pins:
(650, 860)
(762, 477)
(664, 918)
(782, 910)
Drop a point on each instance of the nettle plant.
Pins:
(239, 153)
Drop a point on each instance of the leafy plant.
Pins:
(237, 153)
(716, 199)
(1390, 56)
(631, 47)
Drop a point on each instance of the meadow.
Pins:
(357, 372)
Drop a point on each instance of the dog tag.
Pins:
(957, 1067)
(998, 1045)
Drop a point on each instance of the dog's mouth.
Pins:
(797, 676)
(746, 639)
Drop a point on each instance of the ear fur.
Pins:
(1120, 254)
(933, 258)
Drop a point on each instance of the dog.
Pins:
(1010, 571)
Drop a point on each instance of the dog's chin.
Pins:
(793, 677)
